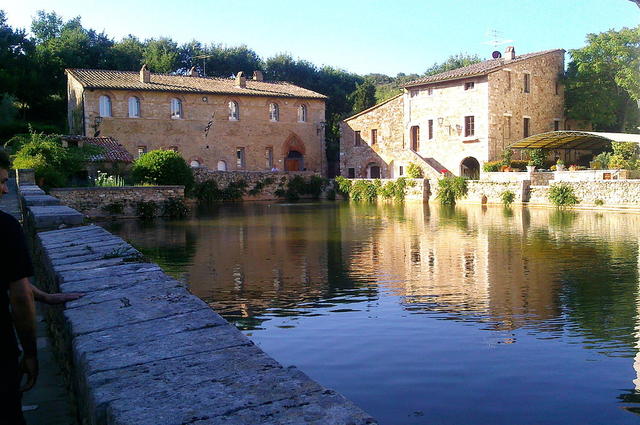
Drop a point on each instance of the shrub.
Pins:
(344, 185)
(617, 161)
(520, 164)
(364, 190)
(506, 157)
(163, 167)
(492, 166)
(601, 161)
(537, 156)
(451, 189)
(414, 171)
(114, 208)
(206, 191)
(105, 180)
(234, 190)
(175, 208)
(146, 210)
(627, 150)
(599, 202)
(394, 189)
(315, 186)
(507, 197)
(562, 195)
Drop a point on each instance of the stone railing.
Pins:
(607, 193)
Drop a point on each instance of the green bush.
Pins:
(175, 208)
(105, 180)
(163, 168)
(364, 190)
(492, 166)
(562, 195)
(451, 189)
(52, 163)
(507, 197)
(617, 162)
(344, 185)
(414, 171)
(537, 157)
(114, 208)
(146, 210)
(627, 150)
(599, 202)
(506, 157)
(601, 161)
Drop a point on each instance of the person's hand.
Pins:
(29, 367)
(63, 298)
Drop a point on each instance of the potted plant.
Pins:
(573, 167)
(531, 166)
(560, 165)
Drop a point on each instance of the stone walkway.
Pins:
(48, 402)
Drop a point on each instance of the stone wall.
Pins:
(116, 201)
(155, 129)
(266, 191)
(140, 349)
(614, 193)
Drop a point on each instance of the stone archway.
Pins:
(294, 151)
(470, 168)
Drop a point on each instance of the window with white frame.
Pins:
(134, 107)
(105, 106)
(176, 108)
(274, 112)
(302, 113)
(240, 160)
(469, 126)
(234, 111)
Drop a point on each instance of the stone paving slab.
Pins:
(134, 305)
(89, 265)
(40, 200)
(56, 234)
(108, 282)
(53, 216)
(88, 249)
(119, 270)
(121, 251)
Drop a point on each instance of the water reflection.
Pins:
(527, 277)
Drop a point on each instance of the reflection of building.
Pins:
(457, 119)
(224, 124)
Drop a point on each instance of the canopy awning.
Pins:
(582, 140)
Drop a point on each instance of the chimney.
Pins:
(510, 53)
(193, 73)
(257, 76)
(241, 80)
(145, 75)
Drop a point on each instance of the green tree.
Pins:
(363, 97)
(126, 54)
(161, 55)
(453, 62)
(162, 167)
(603, 80)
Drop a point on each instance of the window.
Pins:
(194, 163)
(557, 87)
(105, 106)
(268, 154)
(556, 125)
(240, 162)
(274, 112)
(401, 170)
(430, 129)
(506, 128)
(222, 165)
(302, 113)
(508, 80)
(141, 150)
(374, 136)
(415, 138)
(469, 86)
(357, 139)
(525, 127)
(351, 173)
(527, 83)
(414, 92)
(469, 126)
(176, 108)
(234, 111)
(134, 107)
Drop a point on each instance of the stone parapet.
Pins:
(116, 201)
(486, 192)
(612, 193)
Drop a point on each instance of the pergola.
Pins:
(578, 140)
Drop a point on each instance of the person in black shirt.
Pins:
(17, 310)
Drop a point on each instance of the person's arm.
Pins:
(24, 319)
(51, 299)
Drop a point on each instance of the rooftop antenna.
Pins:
(204, 63)
(495, 38)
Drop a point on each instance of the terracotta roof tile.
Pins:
(113, 151)
(127, 80)
(480, 68)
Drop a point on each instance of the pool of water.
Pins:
(423, 314)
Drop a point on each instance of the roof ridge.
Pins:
(377, 105)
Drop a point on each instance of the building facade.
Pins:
(225, 124)
(457, 120)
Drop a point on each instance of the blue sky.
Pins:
(360, 36)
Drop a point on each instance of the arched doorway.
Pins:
(470, 168)
(373, 171)
(294, 161)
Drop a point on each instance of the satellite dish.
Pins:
(496, 54)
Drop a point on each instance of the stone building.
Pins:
(456, 120)
(224, 124)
